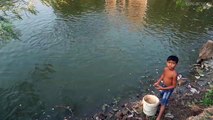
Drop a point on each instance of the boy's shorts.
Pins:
(165, 94)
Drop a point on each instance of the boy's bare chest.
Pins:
(168, 75)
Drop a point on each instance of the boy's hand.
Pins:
(159, 87)
(156, 84)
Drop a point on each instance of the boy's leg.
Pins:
(162, 109)
(164, 102)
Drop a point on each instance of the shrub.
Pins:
(208, 98)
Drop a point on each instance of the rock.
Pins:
(196, 109)
(124, 105)
(179, 77)
(138, 118)
(208, 64)
(100, 116)
(181, 82)
(193, 90)
(202, 83)
(138, 107)
(200, 72)
(104, 107)
(119, 115)
(115, 110)
(197, 76)
(124, 112)
(205, 115)
(124, 118)
(210, 110)
(181, 90)
(169, 115)
(130, 116)
(110, 114)
(206, 51)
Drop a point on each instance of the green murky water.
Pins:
(79, 54)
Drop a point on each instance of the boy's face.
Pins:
(171, 64)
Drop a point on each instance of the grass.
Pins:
(208, 98)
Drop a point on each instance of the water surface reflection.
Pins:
(85, 53)
(131, 11)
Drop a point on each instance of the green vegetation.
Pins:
(208, 98)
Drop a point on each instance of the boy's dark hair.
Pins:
(173, 58)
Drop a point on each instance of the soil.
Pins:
(182, 108)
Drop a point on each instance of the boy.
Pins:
(169, 81)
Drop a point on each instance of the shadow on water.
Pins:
(42, 71)
(74, 7)
(23, 100)
(20, 102)
(184, 20)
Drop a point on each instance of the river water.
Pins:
(76, 55)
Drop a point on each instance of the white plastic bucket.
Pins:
(150, 104)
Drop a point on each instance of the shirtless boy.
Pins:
(169, 81)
